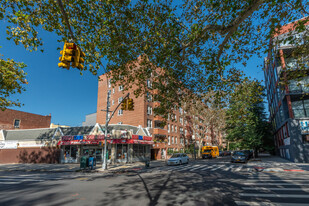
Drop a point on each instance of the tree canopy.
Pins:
(246, 123)
(196, 43)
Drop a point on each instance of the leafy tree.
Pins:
(196, 43)
(246, 124)
(204, 116)
(12, 80)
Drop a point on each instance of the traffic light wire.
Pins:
(65, 18)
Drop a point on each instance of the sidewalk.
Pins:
(269, 163)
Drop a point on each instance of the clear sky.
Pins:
(66, 95)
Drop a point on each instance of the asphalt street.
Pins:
(202, 182)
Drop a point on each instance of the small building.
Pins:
(126, 143)
(13, 119)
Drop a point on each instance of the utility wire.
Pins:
(65, 18)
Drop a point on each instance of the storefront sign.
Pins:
(8, 144)
(94, 137)
(97, 141)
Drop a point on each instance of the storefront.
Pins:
(123, 150)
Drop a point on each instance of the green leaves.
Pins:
(12, 80)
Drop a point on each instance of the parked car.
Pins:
(239, 156)
(227, 153)
(178, 159)
(221, 153)
(247, 152)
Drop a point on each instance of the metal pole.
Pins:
(104, 165)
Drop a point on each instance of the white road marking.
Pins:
(272, 195)
(217, 168)
(285, 184)
(228, 168)
(238, 169)
(275, 189)
(197, 168)
(268, 203)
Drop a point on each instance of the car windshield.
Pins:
(207, 150)
(238, 153)
(175, 155)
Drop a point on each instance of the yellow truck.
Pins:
(210, 152)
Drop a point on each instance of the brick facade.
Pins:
(163, 138)
(26, 120)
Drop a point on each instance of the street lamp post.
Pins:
(104, 165)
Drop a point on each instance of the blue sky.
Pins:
(66, 95)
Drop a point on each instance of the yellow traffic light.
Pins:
(67, 55)
(124, 105)
(130, 105)
(78, 59)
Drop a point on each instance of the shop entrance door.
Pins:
(154, 154)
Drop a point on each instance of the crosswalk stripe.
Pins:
(186, 167)
(275, 189)
(283, 184)
(227, 168)
(217, 168)
(272, 195)
(239, 168)
(207, 167)
(197, 168)
(243, 203)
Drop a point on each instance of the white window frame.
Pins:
(149, 110)
(169, 140)
(175, 140)
(113, 90)
(120, 99)
(120, 112)
(175, 128)
(149, 123)
(172, 128)
(120, 88)
(109, 83)
(172, 140)
(168, 128)
(113, 102)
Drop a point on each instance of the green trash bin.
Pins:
(83, 162)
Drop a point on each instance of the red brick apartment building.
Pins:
(174, 135)
(13, 119)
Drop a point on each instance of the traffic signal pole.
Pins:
(107, 120)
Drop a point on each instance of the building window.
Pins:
(109, 83)
(181, 130)
(175, 140)
(120, 87)
(119, 123)
(149, 85)
(186, 132)
(149, 123)
(149, 110)
(120, 112)
(16, 123)
(172, 128)
(113, 102)
(120, 99)
(180, 110)
(168, 116)
(169, 140)
(181, 120)
(113, 90)
(149, 97)
(175, 128)
(172, 140)
(168, 128)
